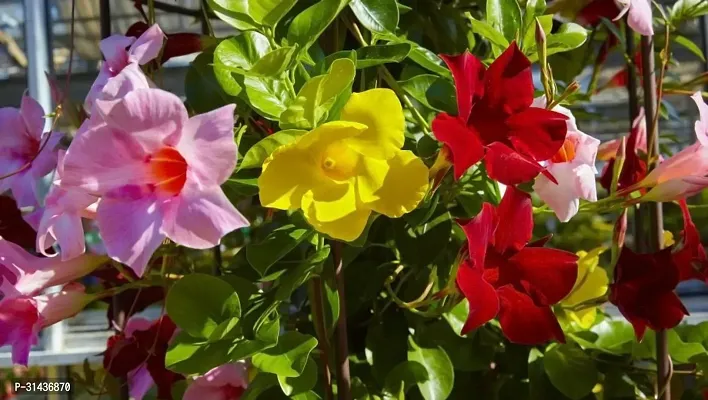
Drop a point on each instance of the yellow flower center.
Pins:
(338, 161)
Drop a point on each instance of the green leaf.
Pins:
(690, 46)
(269, 97)
(240, 185)
(218, 302)
(258, 153)
(205, 86)
(681, 351)
(379, 16)
(488, 32)
(428, 60)
(571, 371)
(505, 17)
(371, 56)
(251, 14)
(386, 344)
(307, 26)
(296, 277)
(404, 376)
(274, 63)
(190, 355)
(318, 95)
(262, 382)
(289, 357)
(275, 246)
(300, 384)
(614, 336)
(422, 245)
(570, 36)
(242, 51)
(534, 8)
(441, 374)
(432, 91)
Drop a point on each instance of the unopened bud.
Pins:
(619, 164)
(540, 33)
(618, 237)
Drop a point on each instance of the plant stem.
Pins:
(316, 303)
(207, 29)
(656, 222)
(344, 384)
(151, 12)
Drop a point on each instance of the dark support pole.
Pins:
(655, 239)
(344, 384)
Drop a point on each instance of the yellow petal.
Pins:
(592, 284)
(325, 134)
(330, 202)
(288, 173)
(348, 228)
(584, 318)
(393, 187)
(381, 112)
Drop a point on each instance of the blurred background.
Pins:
(35, 38)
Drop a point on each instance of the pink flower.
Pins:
(21, 318)
(226, 382)
(574, 168)
(158, 174)
(121, 51)
(683, 174)
(22, 274)
(20, 141)
(639, 15)
(61, 219)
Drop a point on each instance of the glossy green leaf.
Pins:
(251, 14)
(307, 26)
(242, 51)
(240, 185)
(570, 36)
(218, 302)
(319, 95)
(276, 245)
(428, 60)
(436, 362)
(534, 8)
(300, 384)
(287, 358)
(270, 97)
(204, 88)
(487, 31)
(505, 17)
(295, 277)
(370, 56)
(404, 376)
(690, 46)
(571, 370)
(422, 245)
(378, 16)
(190, 355)
(681, 351)
(276, 62)
(614, 336)
(432, 91)
(259, 385)
(386, 344)
(257, 154)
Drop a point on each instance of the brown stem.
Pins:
(656, 221)
(316, 303)
(344, 384)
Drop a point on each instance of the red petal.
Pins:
(691, 257)
(541, 242)
(537, 132)
(482, 298)
(508, 166)
(480, 232)
(468, 73)
(667, 311)
(550, 273)
(463, 142)
(508, 82)
(515, 221)
(524, 322)
(597, 9)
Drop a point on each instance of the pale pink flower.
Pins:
(21, 139)
(22, 274)
(21, 318)
(685, 173)
(121, 51)
(225, 382)
(573, 167)
(639, 15)
(158, 174)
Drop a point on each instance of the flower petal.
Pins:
(463, 142)
(208, 146)
(348, 228)
(33, 116)
(381, 112)
(114, 50)
(330, 202)
(508, 166)
(287, 175)
(639, 17)
(480, 232)
(139, 382)
(537, 132)
(550, 273)
(131, 230)
(524, 322)
(515, 221)
(129, 79)
(147, 47)
(393, 187)
(702, 123)
(200, 216)
(468, 74)
(481, 296)
(508, 82)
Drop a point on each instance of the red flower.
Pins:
(495, 120)
(634, 168)
(643, 290)
(690, 256)
(147, 348)
(592, 13)
(507, 277)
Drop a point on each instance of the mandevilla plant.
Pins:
(377, 182)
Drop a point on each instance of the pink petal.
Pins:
(114, 51)
(33, 116)
(200, 216)
(46, 161)
(104, 75)
(154, 117)
(147, 47)
(586, 148)
(208, 145)
(67, 230)
(24, 189)
(129, 79)
(574, 182)
(136, 323)
(140, 382)
(640, 17)
(102, 159)
(131, 230)
(55, 307)
(14, 138)
(702, 123)
(19, 324)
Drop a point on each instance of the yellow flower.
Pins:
(341, 171)
(591, 283)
